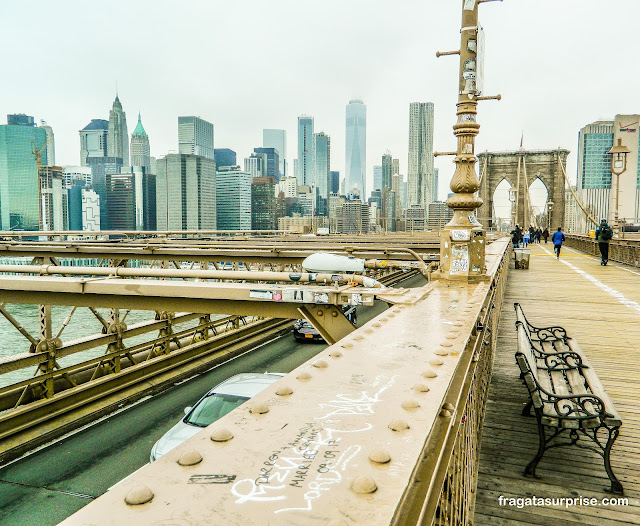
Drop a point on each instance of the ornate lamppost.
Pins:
(462, 241)
(549, 209)
(618, 166)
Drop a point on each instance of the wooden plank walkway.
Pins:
(600, 307)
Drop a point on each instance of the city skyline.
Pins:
(240, 111)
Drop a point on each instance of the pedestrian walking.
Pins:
(525, 238)
(557, 238)
(545, 235)
(538, 235)
(604, 235)
(516, 236)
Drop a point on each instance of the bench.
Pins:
(565, 393)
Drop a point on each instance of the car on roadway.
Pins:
(305, 332)
(222, 399)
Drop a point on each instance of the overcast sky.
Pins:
(245, 65)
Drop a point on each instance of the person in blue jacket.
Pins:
(557, 238)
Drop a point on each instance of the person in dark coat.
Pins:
(516, 236)
(604, 235)
(545, 234)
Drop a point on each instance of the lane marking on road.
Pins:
(606, 288)
(598, 259)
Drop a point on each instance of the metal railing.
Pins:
(625, 251)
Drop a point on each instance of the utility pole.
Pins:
(462, 241)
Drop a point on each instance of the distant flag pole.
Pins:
(521, 139)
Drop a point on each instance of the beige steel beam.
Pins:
(382, 428)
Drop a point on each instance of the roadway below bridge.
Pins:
(51, 483)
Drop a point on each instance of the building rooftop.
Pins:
(96, 124)
(139, 128)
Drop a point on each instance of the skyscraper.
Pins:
(100, 167)
(19, 194)
(420, 176)
(334, 185)
(356, 148)
(118, 136)
(305, 150)
(377, 178)
(256, 165)
(263, 204)
(387, 171)
(195, 136)
(277, 139)
(93, 140)
(224, 157)
(321, 169)
(233, 191)
(273, 161)
(51, 143)
(185, 192)
(140, 149)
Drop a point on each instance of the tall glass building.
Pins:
(233, 190)
(304, 172)
(321, 171)
(277, 139)
(356, 148)
(273, 162)
(420, 176)
(19, 201)
(186, 192)
(224, 157)
(195, 136)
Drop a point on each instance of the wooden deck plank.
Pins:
(600, 308)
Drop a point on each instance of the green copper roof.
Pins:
(139, 128)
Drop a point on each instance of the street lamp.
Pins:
(618, 166)
(549, 208)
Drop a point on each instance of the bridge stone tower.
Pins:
(520, 169)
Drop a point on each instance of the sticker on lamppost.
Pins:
(460, 235)
(469, 5)
(459, 259)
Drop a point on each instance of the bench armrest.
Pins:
(545, 334)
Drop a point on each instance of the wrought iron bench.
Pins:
(566, 394)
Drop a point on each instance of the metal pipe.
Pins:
(235, 275)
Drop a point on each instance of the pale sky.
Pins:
(245, 65)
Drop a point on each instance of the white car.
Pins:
(222, 399)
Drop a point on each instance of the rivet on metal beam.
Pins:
(190, 458)
(398, 425)
(380, 456)
(336, 354)
(303, 376)
(363, 484)
(320, 364)
(410, 404)
(259, 409)
(429, 373)
(347, 345)
(441, 352)
(453, 335)
(221, 435)
(319, 313)
(436, 361)
(359, 337)
(377, 324)
(138, 495)
(368, 330)
(284, 390)
(334, 314)
(446, 344)
(421, 388)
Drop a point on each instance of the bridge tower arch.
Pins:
(520, 169)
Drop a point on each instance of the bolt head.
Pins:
(139, 495)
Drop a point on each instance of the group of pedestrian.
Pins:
(528, 235)
(603, 234)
